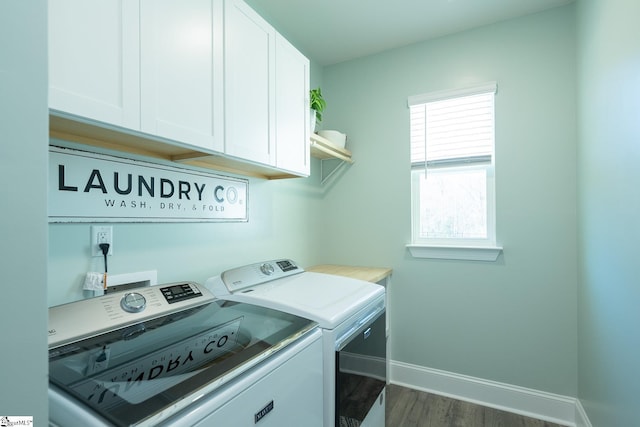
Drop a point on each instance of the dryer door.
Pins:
(361, 373)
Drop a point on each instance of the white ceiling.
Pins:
(332, 31)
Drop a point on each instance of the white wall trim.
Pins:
(465, 253)
(528, 402)
(582, 420)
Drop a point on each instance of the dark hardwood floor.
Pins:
(412, 408)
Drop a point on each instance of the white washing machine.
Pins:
(351, 314)
(173, 355)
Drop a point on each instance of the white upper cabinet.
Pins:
(204, 82)
(94, 60)
(181, 71)
(249, 65)
(292, 108)
(267, 90)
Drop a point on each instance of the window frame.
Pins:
(480, 249)
(417, 174)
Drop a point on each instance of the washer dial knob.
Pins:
(133, 302)
(267, 269)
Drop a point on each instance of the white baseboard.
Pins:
(551, 407)
(581, 416)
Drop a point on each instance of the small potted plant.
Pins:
(317, 104)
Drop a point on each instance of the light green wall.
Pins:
(513, 320)
(609, 203)
(23, 209)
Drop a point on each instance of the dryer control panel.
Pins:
(90, 317)
(247, 276)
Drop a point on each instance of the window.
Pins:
(452, 169)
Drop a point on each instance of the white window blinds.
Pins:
(452, 126)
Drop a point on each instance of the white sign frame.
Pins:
(91, 187)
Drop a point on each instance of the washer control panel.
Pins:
(94, 316)
(251, 275)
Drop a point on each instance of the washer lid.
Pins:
(326, 299)
(143, 373)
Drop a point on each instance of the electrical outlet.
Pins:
(101, 234)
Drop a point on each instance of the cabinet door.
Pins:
(94, 60)
(181, 71)
(292, 108)
(249, 84)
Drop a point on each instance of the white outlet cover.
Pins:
(95, 230)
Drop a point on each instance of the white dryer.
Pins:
(351, 314)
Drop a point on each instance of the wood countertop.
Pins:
(369, 274)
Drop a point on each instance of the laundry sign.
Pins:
(90, 187)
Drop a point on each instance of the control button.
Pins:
(133, 302)
(267, 269)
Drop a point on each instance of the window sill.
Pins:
(466, 253)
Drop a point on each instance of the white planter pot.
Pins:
(312, 117)
(338, 139)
